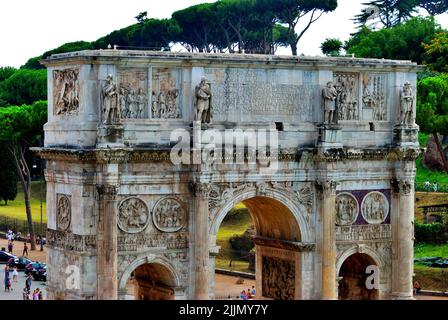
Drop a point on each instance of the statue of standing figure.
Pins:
(329, 94)
(110, 102)
(203, 106)
(407, 104)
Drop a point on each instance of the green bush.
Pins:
(430, 233)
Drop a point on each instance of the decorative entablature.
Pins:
(345, 154)
(285, 245)
(128, 155)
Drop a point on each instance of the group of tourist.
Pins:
(248, 295)
(37, 294)
(435, 186)
(8, 281)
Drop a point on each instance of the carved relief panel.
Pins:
(63, 212)
(66, 92)
(165, 94)
(132, 93)
(375, 207)
(169, 215)
(347, 100)
(347, 209)
(374, 95)
(278, 278)
(133, 215)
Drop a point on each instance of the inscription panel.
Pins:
(252, 92)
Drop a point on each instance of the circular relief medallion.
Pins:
(169, 215)
(133, 215)
(375, 207)
(347, 209)
(63, 214)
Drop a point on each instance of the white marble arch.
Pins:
(148, 259)
(275, 194)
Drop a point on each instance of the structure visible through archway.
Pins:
(353, 279)
(151, 281)
(278, 250)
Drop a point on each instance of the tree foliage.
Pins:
(436, 53)
(390, 13)
(331, 46)
(402, 42)
(20, 127)
(24, 87)
(8, 176)
(432, 105)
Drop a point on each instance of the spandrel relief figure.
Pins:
(203, 106)
(110, 102)
(329, 95)
(407, 105)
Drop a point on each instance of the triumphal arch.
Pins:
(139, 178)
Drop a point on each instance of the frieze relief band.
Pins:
(142, 241)
(72, 242)
(363, 232)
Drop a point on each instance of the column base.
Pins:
(402, 296)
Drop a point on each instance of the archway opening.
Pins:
(151, 281)
(354, 283)
(257, 236)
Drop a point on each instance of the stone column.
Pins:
(327, 214)
(107, 282)
(201, 240)
(402, 238)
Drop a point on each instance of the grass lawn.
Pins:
(431, 278)
(231, 226)
(423, 250)
(16, 208)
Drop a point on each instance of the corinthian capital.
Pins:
(200, 189)
(401, 186)
(107, 191)
(327, 187)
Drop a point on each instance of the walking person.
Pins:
(28, 282)
(40, 295)
(35, 295)
(7, 279)
(25, 249)
(25, 294)
(435, 186)
(15, 274)
(10, 247)
(427, 186)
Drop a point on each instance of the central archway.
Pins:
(280, 230)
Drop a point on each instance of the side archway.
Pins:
(155, 278)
